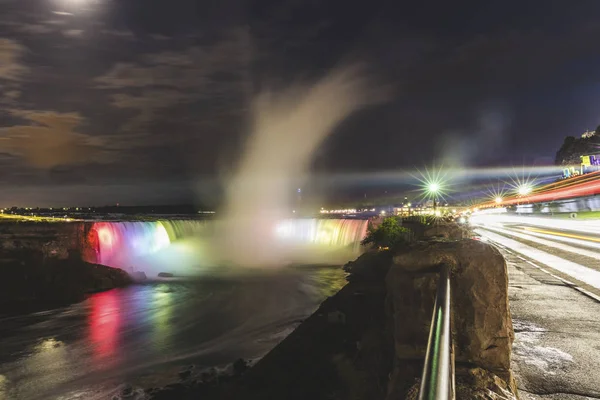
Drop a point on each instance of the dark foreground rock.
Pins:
(481, 323)
(29, 281)
(446, 230)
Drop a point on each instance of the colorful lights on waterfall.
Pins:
(119, 242)
(325, 232)
(163, 246)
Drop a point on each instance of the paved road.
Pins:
(554, 289)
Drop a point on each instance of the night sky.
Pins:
(146, 101)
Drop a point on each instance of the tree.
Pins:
(389, 234)
(573, 148)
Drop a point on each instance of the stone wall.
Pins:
(481, 323)
(42, 265)
(52, 239)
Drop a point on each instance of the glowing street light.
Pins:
(524, 189)
(433, 188)
(433, 185)
(498, 200)
(522, 184)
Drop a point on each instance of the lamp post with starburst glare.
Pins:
(434, 184)
(433, 189)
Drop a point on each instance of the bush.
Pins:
(424, 220)
(389, 234)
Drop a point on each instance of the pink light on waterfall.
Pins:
(107, 240)
(105, 236)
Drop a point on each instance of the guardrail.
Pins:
(437, 381)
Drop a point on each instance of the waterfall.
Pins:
(117, 243)
(184, 244)
(323, 232)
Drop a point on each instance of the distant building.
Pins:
(588, 134)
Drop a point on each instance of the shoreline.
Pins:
(32, 284)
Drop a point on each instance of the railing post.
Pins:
(437, 379)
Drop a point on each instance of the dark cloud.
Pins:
(13, 71)
(11, 66)
(73, 33)
(147, 105)
(49, 140)
(35, 29)
(190, 68)
(121, 34)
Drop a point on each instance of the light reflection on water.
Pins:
(104, 320)
(145, 334)
(162, 300)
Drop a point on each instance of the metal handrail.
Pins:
(437, 381)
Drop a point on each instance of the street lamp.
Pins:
(524, 189)
(433, 189)
(498, 200)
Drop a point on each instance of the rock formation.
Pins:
(42, 267)
(449, 231)
(481, 323)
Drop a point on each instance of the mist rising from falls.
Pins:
(287, 129)
(255, 228)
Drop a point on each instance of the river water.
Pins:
(144, 335)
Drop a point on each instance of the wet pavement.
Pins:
(556, 316)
